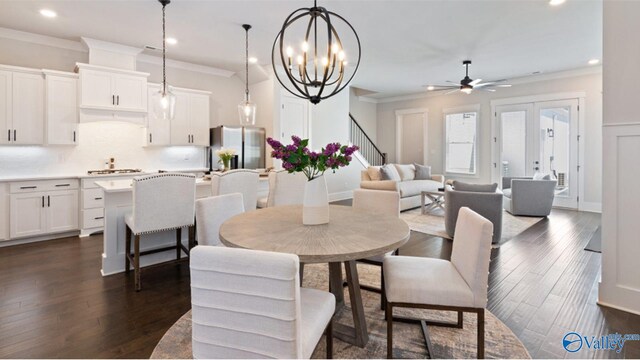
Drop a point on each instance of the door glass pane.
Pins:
(555, 146)
(514, 143)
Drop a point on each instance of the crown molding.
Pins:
(183, 65)
(42, 40)
(515, 81)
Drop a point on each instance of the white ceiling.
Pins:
(405, 44)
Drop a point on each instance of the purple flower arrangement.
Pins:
(296, 157)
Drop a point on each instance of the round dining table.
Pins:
(350, 235)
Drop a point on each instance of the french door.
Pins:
(541, 137)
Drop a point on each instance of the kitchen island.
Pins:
(118, 200)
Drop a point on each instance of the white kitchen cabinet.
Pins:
(158, 130)
(27, 214)
(191, 123)
(43, 207)
(21, 106)
(61, 106)
(103, 88)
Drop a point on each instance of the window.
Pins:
(461, 155)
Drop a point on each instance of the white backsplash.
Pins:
(97, 142)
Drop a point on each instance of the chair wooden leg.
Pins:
(389, 316)
(127, 261)
(383, 298)
(481, 334)
(460, 319)
(178, 243)
(136, 261)
(192, 237)
(301, 272)
(329, 336)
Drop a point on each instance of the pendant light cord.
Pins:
(247, 64)
(164, 52)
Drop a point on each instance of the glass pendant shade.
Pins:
(164, 104)
(247, 113)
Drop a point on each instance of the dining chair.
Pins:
(242, 181)
(211, 212)
(249, 304)
(284, 189)
(381, 202)
(458, 285)
(161, 202)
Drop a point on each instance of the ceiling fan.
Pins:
(467, 85)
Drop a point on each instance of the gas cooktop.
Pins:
(113, 171)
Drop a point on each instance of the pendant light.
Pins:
(164, 101)
(247, 109)
(320, 68)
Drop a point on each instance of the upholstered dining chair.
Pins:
(249, 304)
(382, 202)
(211, 212)
(242, 181)
(458, 285)
(161, 202)
(284, 189)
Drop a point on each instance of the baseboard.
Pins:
(38, 238)
(590, 207)
(621, 308)
(343, 195)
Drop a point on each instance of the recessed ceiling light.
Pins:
(594, 61)
(171, 41)
(253, 60)
(556, 2)
(48, 13)
(430, 87)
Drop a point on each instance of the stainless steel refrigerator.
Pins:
(248, 142)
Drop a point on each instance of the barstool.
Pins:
(161, 202)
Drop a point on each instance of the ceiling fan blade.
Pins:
(474, 82)
(483, 85)
(452, 91)
(486, 89)
(503, 85)
(440, 87)
(453, 82)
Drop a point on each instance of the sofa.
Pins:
(407, 185)
(526, 196)
(486, 200)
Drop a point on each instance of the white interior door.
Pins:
(541, 137)
(411, 136)
(294, 118)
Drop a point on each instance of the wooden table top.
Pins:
(350, 235)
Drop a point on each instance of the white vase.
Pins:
(315, 206)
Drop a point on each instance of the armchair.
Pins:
(487, 204)
(528, 197)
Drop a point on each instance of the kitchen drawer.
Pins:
(92, 218)
(42, 185)
(92, 198)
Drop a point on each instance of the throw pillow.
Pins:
(374, 173)
(462, 186)
(423, 172)
(389, 172)
(407, 172)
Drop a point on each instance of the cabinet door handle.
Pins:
(48, 201)
(117, 99)
(9, 135)
(62, 185)
(28, 187)
(113, 99)
(14, 135)
(98, 217)
(150, 138)
(74, 136)
(98, 198)
(43, 201)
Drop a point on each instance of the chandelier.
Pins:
(318, 69)
(164, 101)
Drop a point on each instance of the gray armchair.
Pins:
(487, 204)
(528, 197)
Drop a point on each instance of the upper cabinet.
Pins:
(158, 130)
(61, 107)
(21, 106)
(112, 93)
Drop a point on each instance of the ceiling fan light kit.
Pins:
(318, 69)
(468, 85)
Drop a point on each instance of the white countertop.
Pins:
(113, 186)
(85, 175)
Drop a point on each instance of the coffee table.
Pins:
(351, 234)
(437, 201)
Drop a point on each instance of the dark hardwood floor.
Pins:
(55, 304)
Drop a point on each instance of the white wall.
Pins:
(620, 282)
(122, 140)
(365, 113)
(591, 84)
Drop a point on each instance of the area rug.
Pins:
(433, 223)
(408, 341)
(595, 243)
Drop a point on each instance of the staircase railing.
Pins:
(368, 149)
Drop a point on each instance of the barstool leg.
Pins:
(127, 261)
(178, 242)
(136, 261)
(192, 237)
